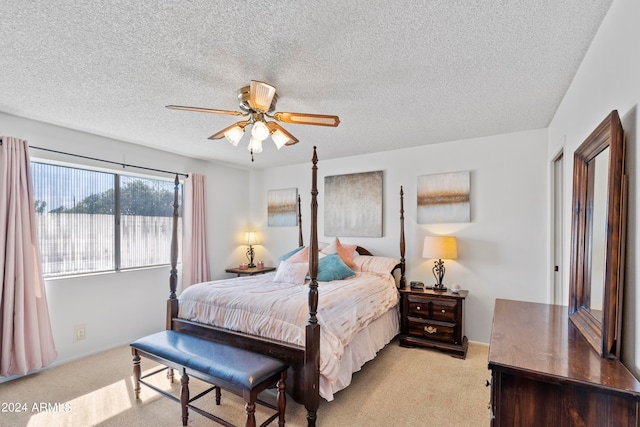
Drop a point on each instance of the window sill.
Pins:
(105, 273)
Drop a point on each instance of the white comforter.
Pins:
(257, 305)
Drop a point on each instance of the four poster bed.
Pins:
(323, 345)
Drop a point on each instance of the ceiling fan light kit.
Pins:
(257, 101)
(261, 96)
(279, 138)
(234, 134)
(260, 131)
(255, 146)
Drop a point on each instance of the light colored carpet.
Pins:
(401, 387)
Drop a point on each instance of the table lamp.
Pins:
(439, 247)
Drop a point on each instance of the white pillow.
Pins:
(329, 248)
(292, 272)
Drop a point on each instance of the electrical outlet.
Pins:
(80, 332)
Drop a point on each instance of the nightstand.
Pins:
(434, 319)
(250, 271)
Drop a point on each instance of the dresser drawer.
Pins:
(433, 308)
(432, 329)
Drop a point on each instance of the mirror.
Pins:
(600, 166)
(597, 236)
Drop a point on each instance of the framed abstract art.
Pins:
(353, 205)
(282, 207)
(444, 198)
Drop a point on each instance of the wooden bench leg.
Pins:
(136, 373)
(170, 375)
(250, 408)
(282, 398)
(184, 396)
(217, 395)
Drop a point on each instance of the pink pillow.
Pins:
(300, 256)
(345, 252)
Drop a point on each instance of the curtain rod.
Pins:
(109, 161)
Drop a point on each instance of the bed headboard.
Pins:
(363, 251)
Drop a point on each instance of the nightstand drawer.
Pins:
(433, 330)
(445, 310)
(433, 308)
(419, 307)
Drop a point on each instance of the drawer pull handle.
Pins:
(443, 311)
(418, 308)
(430, 329)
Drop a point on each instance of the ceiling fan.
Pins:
(258, 101)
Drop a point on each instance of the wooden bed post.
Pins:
(312, 350)
(300, 239)
(403, 280)
(172, 302)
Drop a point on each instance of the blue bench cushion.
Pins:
(233, 365)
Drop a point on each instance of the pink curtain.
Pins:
(195, 257)
(26, 339)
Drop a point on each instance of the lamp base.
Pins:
(437, 287)
(250, 255)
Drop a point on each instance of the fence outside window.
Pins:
(90, 221)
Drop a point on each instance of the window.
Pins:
(90, 221)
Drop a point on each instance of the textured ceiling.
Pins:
(398, 74)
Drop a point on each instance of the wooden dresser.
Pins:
(544, 373)
(434, 319)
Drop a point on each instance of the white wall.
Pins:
(607, 80)
(501, 251)
(119, 307)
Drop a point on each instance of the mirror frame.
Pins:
(603, 336)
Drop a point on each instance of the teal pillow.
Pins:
(332, 267)
(289, 254)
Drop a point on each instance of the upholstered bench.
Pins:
(239, 371)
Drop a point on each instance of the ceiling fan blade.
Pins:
(261, 96)
(276, 129)
(308, 119)
(220, 135)
(205, 110)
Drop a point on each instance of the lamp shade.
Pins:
(261, 95)
(260, 131)
(279, 138)
(234, 134)
(255, 145)
(250, 238)
(440, 247)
